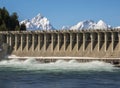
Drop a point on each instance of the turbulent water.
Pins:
(60, 74)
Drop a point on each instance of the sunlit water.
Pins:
(60, 74)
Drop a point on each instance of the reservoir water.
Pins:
(60, 74)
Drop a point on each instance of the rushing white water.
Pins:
(59, 65)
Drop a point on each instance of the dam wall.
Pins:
(60, 43)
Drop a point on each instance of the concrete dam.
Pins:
(63, 43)
(52, 45)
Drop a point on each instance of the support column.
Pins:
(38, 42)
(52, 42)
(16, 42)
(105, 41)
(77, 42)
(27, 42)
(10, 42)
(64, 42)
(92, 40)
(84, 41)
(21, 42)
(99, 42)
(112, 36)
(71, 41)
(8, 39)
(33, 42)
(45, 42)
(58, 42)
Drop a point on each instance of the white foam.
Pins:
(60, 62)
(59, 58)
(60, 65)
(30, 61)
(72, 61)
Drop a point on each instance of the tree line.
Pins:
(10, 22)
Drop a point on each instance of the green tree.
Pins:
(17, 28)
(3, 27)
(0, 21)
(14, 21)
(23, 27)
(9, 22)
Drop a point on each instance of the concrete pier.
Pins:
(90, 43)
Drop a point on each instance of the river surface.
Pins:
(61, 74)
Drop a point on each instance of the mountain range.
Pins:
(40, 22)
(89, 24)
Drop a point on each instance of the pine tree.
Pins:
(23, 27)
(3, 27)
(17, 28)
(9, 22)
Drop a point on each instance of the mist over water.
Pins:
(60, 65)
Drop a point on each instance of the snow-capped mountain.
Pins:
(101, 25)
(38, 23)
(42, 23)
(89, 24)
(65, 27)
(118, 27)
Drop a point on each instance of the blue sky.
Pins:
(66, 12)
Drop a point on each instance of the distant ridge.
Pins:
(117, 27)
(39, 22)
(89, 24)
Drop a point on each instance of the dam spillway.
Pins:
(63, 43)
